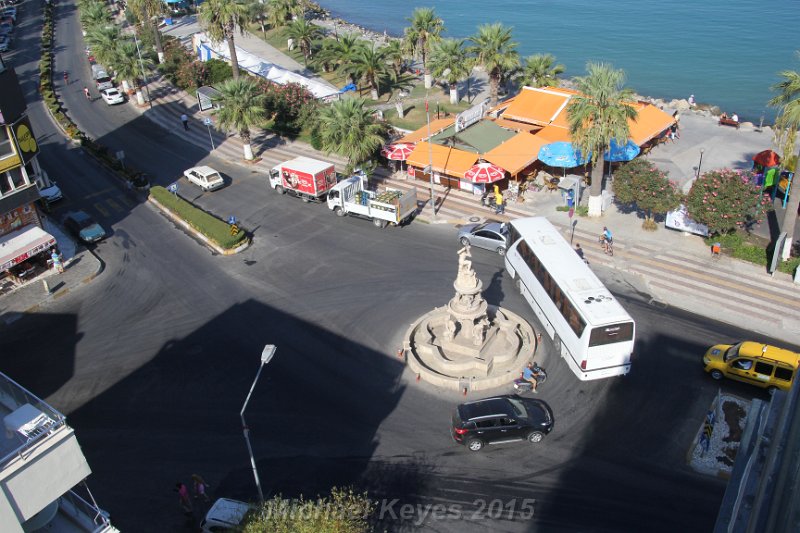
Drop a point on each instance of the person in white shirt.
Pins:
(735, 117)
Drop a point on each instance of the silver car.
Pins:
(489, 235)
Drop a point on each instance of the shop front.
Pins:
(24, 253)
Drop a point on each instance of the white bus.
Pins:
(589, 327)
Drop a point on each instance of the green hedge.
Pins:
(738, 247)
(215, 229)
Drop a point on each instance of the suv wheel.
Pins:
(475, 445)
(535, 437)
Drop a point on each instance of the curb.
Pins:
(210, 244)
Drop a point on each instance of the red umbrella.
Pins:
(484, 173)
(767, 158)
(397, 152)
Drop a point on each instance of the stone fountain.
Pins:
(469, 343)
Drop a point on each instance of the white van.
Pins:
(204, 177)
(224, 514)
(101, 78)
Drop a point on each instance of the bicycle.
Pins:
(607, 244)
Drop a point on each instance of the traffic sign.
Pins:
(232, 220)
(208, 122)
(173, 188)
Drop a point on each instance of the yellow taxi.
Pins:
(762, 365)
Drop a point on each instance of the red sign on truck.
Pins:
(304, 177)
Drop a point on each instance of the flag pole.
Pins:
(430, 157)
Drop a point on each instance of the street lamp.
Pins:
(266, 357)
(144, 74)
(700, 163)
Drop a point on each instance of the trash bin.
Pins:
(168, 21)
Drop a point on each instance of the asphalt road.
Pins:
(152, 361)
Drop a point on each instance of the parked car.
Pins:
(501, 419)
(10, 12)
(489, 235)
(204, 177)
(759, 364)
(6, 28)
(112, 96)
(224, 515)
(84, 226)
(5, 43)
(51, 193)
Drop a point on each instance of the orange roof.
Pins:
(514, 125)
(538, 105)
(650, 122)
(450, 161)
(516, 153)
(422, 133)
(553, 133)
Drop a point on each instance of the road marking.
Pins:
(115, 206)
(103, 211)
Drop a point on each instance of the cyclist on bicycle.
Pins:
(606, 239)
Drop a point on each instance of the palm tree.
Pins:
(371, 67)
(348, 128)
(540, 71)
(339, 54)
(304, 34)
(426, 28)
(148, 11)
(494, 50)
(221, 18)
(103, 42)
(129, 66)
(95, 14)
(788, 122)
(283, 11)
(242, 109)
(395, 56)
(449, 60)
(598, 115)
(258, 13)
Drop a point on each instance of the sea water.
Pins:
(725, 52)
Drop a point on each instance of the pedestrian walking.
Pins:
(86, 93)
(183, 497)
(58, 265)
(199, 487)
(500, 206)
(66, 78)
(185, 121)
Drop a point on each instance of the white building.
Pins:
(41, 466)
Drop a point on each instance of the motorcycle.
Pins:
(523, 385)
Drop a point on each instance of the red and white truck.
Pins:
(306, 178)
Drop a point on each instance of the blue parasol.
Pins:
(626, 152)
(561, 154)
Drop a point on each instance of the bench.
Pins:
(729, 122)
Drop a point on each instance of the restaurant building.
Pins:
(23, 241)
(508, 137)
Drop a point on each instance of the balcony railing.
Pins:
(33, 419)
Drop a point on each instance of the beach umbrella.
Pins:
(561, 154)
(767, 158)
(626, 152)
(484, 173)
(397, 152)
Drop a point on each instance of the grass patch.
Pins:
(213, 228)
(415, 116)
(751, 249)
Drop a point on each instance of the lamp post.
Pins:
(144, 74)
(700, 163)
(430, 157)
(266, 357)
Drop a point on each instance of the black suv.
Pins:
(500, 419)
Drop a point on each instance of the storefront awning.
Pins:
(422, 133)
(517, 153)
(17, 246)
(446, 160)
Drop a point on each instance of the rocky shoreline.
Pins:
(322, 17)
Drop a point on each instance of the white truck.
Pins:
(391, 206)
(304, 177)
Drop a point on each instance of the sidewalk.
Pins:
(674, 269)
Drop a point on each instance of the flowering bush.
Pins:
(288, 106)
(726, 199)
(640, 182)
